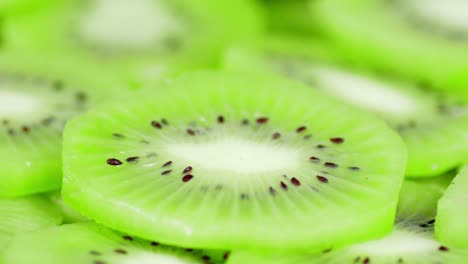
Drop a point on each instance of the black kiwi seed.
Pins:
(156, 124)
(330, 164)
(166, 172)
(272, 191)
(276, 135)
(314, 159)
(320, 146)
(114, 162)
(128, 238)
(25, 129)
(283, 185)
(189, 168)
(443, 248)
(165, 122)
(301, 129)
(120, 251)
(245, 122)
(295, 181)
(244, 196)
(220, 119)
(226, 255)
(337, 140)
(154, 244)
(322, 179)
(191, 132)
(366, 260)
(354, 168)
(132, 159)
(189, 249)
(187, 177)
(262, 120)
(167, 164)
(431, 221)
(117, 135)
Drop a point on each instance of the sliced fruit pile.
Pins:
(237, 131)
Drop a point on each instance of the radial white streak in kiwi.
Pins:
(400, 242)
(17, 103)
(449, 13)
(365, 92)
(127, 23)
(237, 155)
(153, 258)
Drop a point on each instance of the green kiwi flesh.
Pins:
(220, 160)
(424, 41)
(88, 243)
(412, 240)
(69, 215)
(36, 99)
(25, 214)
(452, 214)
(141, 40)
(434, 126)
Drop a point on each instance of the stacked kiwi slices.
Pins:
(434, 125)
(140, 39)
(237, 131)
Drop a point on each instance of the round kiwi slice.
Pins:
(411, 241)
(434, 126)
(452, 215)
(88, 243)
(37, 96)
(141, 39)
(25, 214)
(425, 41)
(222, 159)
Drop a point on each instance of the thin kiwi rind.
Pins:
(141, 40)
(38, 95)
(433, 125)
(89, 243)
(412, 239)
(221, 159)
(401, 38)
(25, 214)
(452, 211)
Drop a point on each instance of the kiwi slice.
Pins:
(88, 243)
(25, 214)
(412, 240)
(434, 126)
(140, 39)
(69, 215)
(221, 159)
(408, 243)
(36, 99)
(418, 197)
(451, 214)
(425, 41)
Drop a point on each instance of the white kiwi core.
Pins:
(127, 23)
(237, 155)
(399, 242)
(449, 13)
(17, 103)
(365, 92)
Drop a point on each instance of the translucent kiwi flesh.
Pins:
(155, 169)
